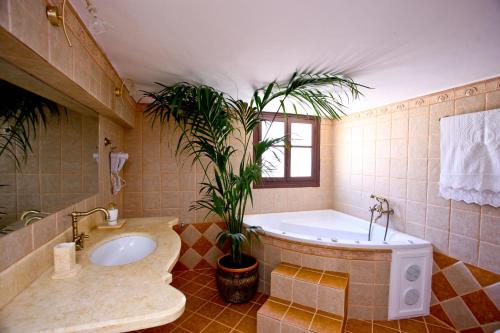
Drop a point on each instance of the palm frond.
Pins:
(325, 93)
(208, 121)
(21, 114)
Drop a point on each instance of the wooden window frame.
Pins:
(288, 181)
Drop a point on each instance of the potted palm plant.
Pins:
(216, 132)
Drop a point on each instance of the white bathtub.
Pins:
(410, 263)
(329, 227)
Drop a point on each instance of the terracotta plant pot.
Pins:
(237, 285)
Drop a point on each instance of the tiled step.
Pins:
(278, 315)
(304, 300)
(320, 290)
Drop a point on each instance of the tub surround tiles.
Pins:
(368, 272)
(465, 296)
(317, 289)
(405, 162)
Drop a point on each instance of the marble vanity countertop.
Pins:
(104, 299)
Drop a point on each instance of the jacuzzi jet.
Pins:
(283, 232)
(334, 240)
(357, 242)
(410, 241)
(319, 238)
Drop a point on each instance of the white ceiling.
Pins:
(402, 49)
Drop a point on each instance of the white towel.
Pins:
(470, 158)
(117, 161)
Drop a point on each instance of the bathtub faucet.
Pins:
(379, 208)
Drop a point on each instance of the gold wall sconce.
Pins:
(119, 91)
(57, 19)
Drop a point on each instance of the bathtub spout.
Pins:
(379, 207)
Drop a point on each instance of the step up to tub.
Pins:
(314, 300)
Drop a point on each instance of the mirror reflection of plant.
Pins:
(216, 131)
(21, 114)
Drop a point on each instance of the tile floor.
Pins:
(206, 312)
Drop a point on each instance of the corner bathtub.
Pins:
(329, 227)
(388, 279)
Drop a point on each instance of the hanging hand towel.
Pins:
(470, 158)
(117, 161)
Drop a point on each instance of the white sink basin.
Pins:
(123, 250)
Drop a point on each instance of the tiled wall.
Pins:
(26, 253)
(158, 183)
(393, 151)
(60, 169)
(464, 296)
(81, 72)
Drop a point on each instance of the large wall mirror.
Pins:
(56, 167)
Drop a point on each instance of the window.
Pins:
(295, 163)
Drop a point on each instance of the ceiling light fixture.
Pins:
(97, 25)
(56, 19)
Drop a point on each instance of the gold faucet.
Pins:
(79, 238)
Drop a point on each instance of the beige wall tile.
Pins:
(464, 248)
(281, 287)
(304, 293)
(488, 257)
(490, 230)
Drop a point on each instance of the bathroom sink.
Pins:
(123, 250)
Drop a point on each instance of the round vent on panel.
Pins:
(413, 272)
(411, 297)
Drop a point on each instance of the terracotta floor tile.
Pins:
(210, 310)
(247, 325)
(215, 327)
(358, 326)
(242, 308)
(195, 323)
(181, 330)
(387, 323)
(191, 288)
(442, 260)
(435, 321)
(183, 317)
(179, 282)
(322, 324)
(273, 310)
(411, 326)
(206, 293)
(189, 275)
(193, 303)
(253, 310)
(439, 329)
(229, 317)
(482, 307)
(438, 312)
(160, 329)
(218, 300)
(262, 299)
(203, 279)
(441, 287)
(484, 277)
(472, 330)
(383, 329)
